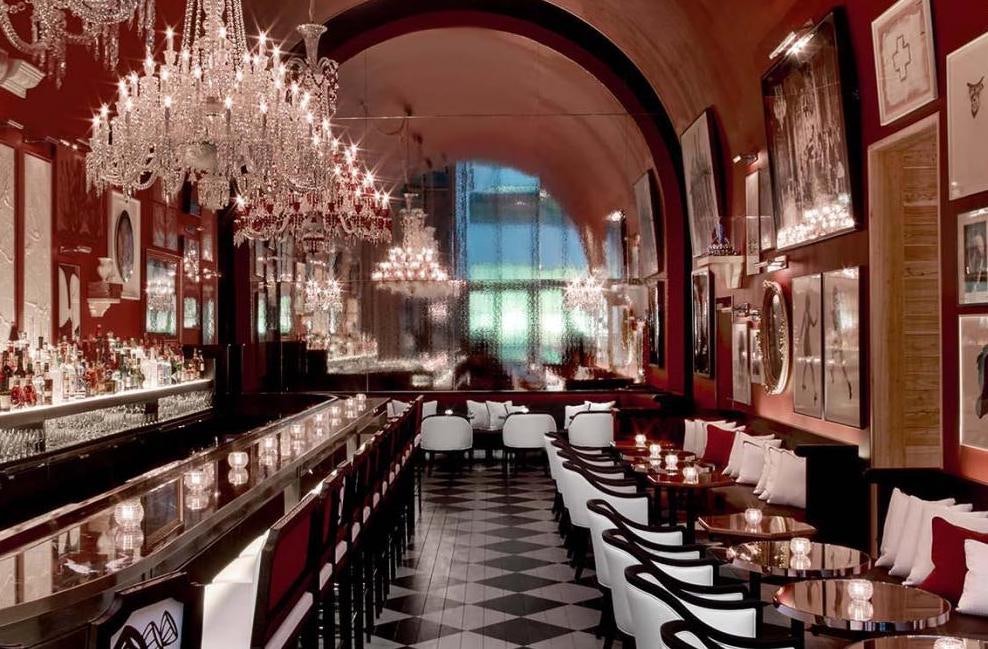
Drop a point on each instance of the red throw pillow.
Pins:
(949, 563)
(720, 441)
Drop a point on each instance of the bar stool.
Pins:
(272, 589)
(163, 612)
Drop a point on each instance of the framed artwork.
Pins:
(740, 361)
(77, 209)
(703, 322)
(755, 353)
(124, 242)
(614, 255)
(645, 201)
(69, 302)
(164, 227)
(807, 341)
(161, 312)
(804, 98)
(967, 118)
(842, 347)
(973, 359)
(190, 312)
(37, 308)
(656, 324)
(208, 236)
(209, 312)
(972, 250)
(701, 185)
(752, 231)
(7, 202)
(905, 66)
(766, 210)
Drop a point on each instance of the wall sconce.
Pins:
(774, 265)
(616, 216)
(746, 159)
(793, 43)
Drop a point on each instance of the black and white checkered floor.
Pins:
(487, 571)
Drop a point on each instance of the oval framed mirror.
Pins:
(775, 335)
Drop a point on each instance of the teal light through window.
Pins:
(520, 249)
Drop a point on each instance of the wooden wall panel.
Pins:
(904, 256)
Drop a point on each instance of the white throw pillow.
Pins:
(397, 408)
(497, 413)
(429, 408)
(764, 486)
(733, 467)
(478, 414)
(892, 531)
(753, 460)
(571, 411)
(789, 485)
(906, 553)
(923, 562)
(602, 406)
(974, 598)
(514, 410)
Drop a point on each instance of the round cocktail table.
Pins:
(771, 528)
(919, 642)
(893, 608)
(775, 559)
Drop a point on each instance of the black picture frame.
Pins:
(812, 137)
(704, 324)
(656, 324)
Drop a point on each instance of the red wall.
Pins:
(69, 196)
(955, 23)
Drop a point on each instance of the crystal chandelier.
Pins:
(50, 32)
(585, 293)
(211, 113)
(350, 208)
(413, 269)
(322, 295)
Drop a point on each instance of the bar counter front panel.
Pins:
(60, 570)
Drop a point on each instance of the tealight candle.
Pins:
(237, 460)
(860, 610)
(671, 461)
(800, 546)
(948, 642)
(448, 412)
(361, 397)
(129, 514)
(654, 450)
(196, 480)
(800, 562)
(690, 474)
(860, 590)
(753, 516)
(237, 477)
(639, 440)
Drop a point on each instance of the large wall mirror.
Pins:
(775, 332)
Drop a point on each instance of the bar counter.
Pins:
(60, 570)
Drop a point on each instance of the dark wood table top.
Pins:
(920, 642)
(628, 446)
(776, 559)
(707, 478)
(770, 528)
(893, 608)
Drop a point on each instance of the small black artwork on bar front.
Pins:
(807, 140)
(703, 354)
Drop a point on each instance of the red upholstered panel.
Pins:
(289, 558)
(719, 443)
(949, 564)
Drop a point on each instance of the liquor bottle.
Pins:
(54, 377)
(5, 404)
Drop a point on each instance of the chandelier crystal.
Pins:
(322, 295)
(585, 293)
(212, 113)
(349, 208)
(49, 22)
(413, 269)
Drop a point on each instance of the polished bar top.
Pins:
(37, 414)
(156, 521)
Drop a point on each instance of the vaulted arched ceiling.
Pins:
(484, 94)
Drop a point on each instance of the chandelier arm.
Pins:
(34, 49)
